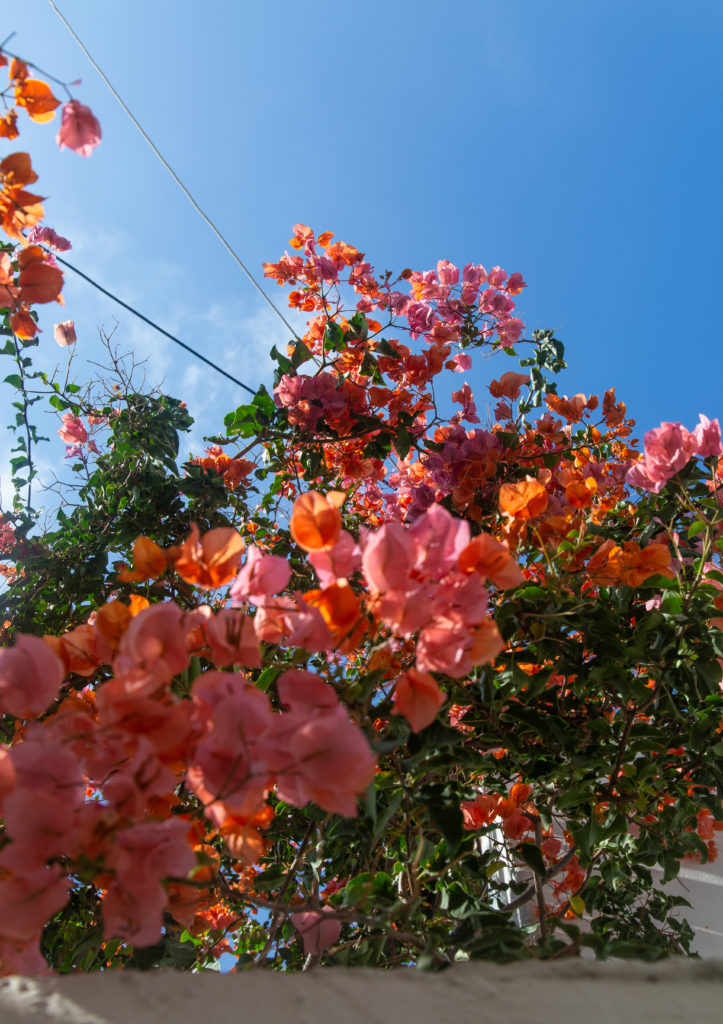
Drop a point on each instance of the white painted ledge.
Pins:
(523, 993)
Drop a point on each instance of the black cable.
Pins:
(151, 324)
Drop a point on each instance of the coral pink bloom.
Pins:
(134, 912)
(48, 237)
(338, 562)
(141, 856)
(667, 449)
(40, 812)
(516, 824)
(72, 430)
(444, 646)
(79, 129)
(291, 622)
(509, 385)
(707, 437)
(496, 277)
(230, 772)
(465, 398)
(439, 539)
(461, 362)
(388, 556)
(447, 273)
(153, 648)
(30, 677)
(64, 333)
(259, 578)
(327, 760)
(418, 697)
(317, 931)
(515, 283)
(7, 775)
(29, 899)
(231, 636)
(303, 691)
(479, 812)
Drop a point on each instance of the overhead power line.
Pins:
(150, 323)
(227, 245)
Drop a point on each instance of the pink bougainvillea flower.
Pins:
(668, 448)
(708, 437)
(418, 697)
(461, 362)
(79, 129)
(447, 273)
(316, 930)
(64, 333)
(231, 637)
(72, 430)
(388, 556)
(259, 578)
(323, 757)
(337, 562)
(440, 539)
(30, 677)
(153, 647)
(47, 236)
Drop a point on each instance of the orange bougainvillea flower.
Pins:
(487, 643)
(509, 385)
(418, 697)
(23, 324)
(18, 209)
(212, 560)
(315, 521)
(113, 618)
(242, 836)
(39, 281)
(523, 500)
(629, 565)
(9, 125)
(37, 98)
(579, 493)
(339, 606)
(492, 560)
(18, 70)
(571, 408)
(149, 561)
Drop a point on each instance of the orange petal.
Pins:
(23, 324)
(40, 282)
(37, 98)
(418, 697)
(149, 560)
(523, 500)
(315, 521)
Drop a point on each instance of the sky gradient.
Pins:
(578, 143)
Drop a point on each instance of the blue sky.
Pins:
(578, 143)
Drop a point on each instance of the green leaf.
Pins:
(532, 856)
(333, 337)
(402, 441)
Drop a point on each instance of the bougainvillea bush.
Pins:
(383, 676)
